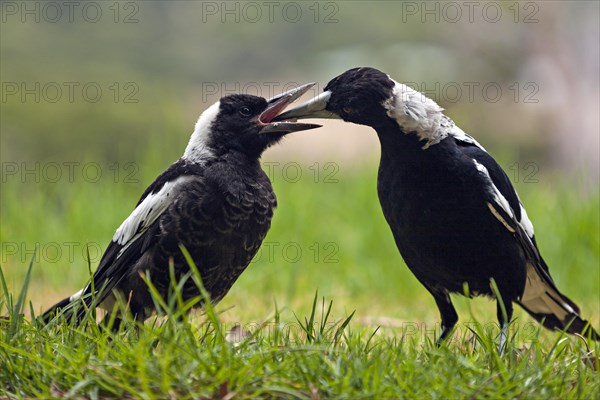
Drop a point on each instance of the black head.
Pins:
(354, 96)
(237, 126)
(243, 123)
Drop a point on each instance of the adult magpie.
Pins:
(454, 214)
(215, 200)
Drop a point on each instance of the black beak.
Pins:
(315, 108)
(276, 105)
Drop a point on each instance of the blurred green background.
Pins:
(100, 97)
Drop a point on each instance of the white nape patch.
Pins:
(498, 197)
(146, 213)
(525, 222)
(76, 296)
(198, 146)
(413, 111)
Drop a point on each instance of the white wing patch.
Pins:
(146, 213)
(498, 197)
(198, 147)
(525, 222)
(499, 217)
(76, 296)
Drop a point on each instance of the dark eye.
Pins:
(347, 110)
(245, 111)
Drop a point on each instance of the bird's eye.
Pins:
(245, 111)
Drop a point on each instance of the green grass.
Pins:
(316, 357)
(374, 341)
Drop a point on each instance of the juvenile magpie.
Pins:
(454, 214)
(215, 200)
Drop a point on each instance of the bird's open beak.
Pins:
(315, 108)
(276, 105)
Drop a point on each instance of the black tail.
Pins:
(55, 309)
(542, 300)
(573, 324)
(72, 309)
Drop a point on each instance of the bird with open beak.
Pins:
(215, 201)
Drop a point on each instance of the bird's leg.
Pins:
(119, 319)
(504, 316)
(448, 314)
(116, 325)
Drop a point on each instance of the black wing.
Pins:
(541, 298)
(134, 236)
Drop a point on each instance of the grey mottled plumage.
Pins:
(216, 201)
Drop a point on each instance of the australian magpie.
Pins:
(454, 214)
(215, 200)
